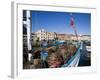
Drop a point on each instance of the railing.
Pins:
(74, 60)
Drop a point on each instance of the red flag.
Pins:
(72, 21)
(72, 25)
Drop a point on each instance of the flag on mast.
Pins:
(72, 24)
(72, 21)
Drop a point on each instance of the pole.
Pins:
(28, 34)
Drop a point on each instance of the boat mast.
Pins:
(28, 22)
(28, 30)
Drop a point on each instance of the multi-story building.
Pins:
(63, 37)
(73, 37)
(86, 38)
(81, 37)
(51, 35)
(44, 35)
(41, 34)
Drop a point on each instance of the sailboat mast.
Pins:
(28, 30)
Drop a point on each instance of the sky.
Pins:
(60, 22)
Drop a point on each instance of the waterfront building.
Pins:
(86, 38)
(63, 37)
(45, 35)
